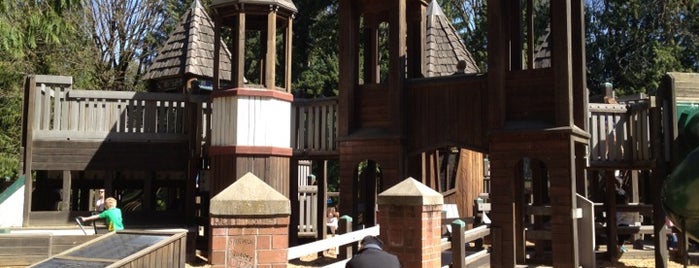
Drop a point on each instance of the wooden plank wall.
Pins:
(530, 96)
(273, 170)
(446, 110)
(95, 155)
(371, 108)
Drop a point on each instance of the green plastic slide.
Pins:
(680, 192)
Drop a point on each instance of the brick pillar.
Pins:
(410, 215)
(249, 226)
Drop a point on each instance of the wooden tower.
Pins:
(251, 115)
(531, 121)
(538, 133)
(371, 121)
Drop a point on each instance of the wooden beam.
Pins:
(270, 59)
(238, 59)
(288, 37)
(217, 51)
(65, 193)
(561, 62)
(580, 95)
(498, 65)
(348, 61)
(28, 126)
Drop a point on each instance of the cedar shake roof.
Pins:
(189, 51)
(287, 4)
(444, 46)
(542, 51)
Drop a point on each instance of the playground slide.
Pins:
(680, 192)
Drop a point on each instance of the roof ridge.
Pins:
(434, 9)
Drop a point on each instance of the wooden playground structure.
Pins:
(549, 151)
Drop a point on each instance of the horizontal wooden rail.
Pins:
(460, 237)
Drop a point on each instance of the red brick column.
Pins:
(249, 226)
(249, 242)
(410, 216)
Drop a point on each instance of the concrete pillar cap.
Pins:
(249, 196)
(410, 192)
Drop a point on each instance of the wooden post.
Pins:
(657, 179)
(345, 226)
(612, 252)
(28, 123)
(65, 194)
(294, 197)
(270, 59)
(458, 245)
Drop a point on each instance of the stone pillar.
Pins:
(410, 216)
(249, 225)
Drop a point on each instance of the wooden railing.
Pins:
(308, 211)
(63, 113)
(477, 256)
(619, 134)
(314, 126)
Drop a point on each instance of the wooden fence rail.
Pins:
(460, 237)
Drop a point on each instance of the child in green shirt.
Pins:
(111, 214)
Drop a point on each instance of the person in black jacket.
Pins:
(371, 255)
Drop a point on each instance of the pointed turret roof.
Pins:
(444, 46)
(189, 51)
(542, 50)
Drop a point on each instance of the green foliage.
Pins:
(633, 44)
(315, 59)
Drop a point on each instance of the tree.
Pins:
(632, 44)
(38, 37)
(315, 59)
(469, 19)
(125, 33)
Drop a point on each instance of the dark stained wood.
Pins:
(529, 96)
(446, 111)
(83, 155)
(273, 170)
(562, 62)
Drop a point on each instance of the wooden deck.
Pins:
(71, 129)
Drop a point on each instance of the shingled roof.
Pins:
(444, 46)
(542, 51)
(189, 51)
